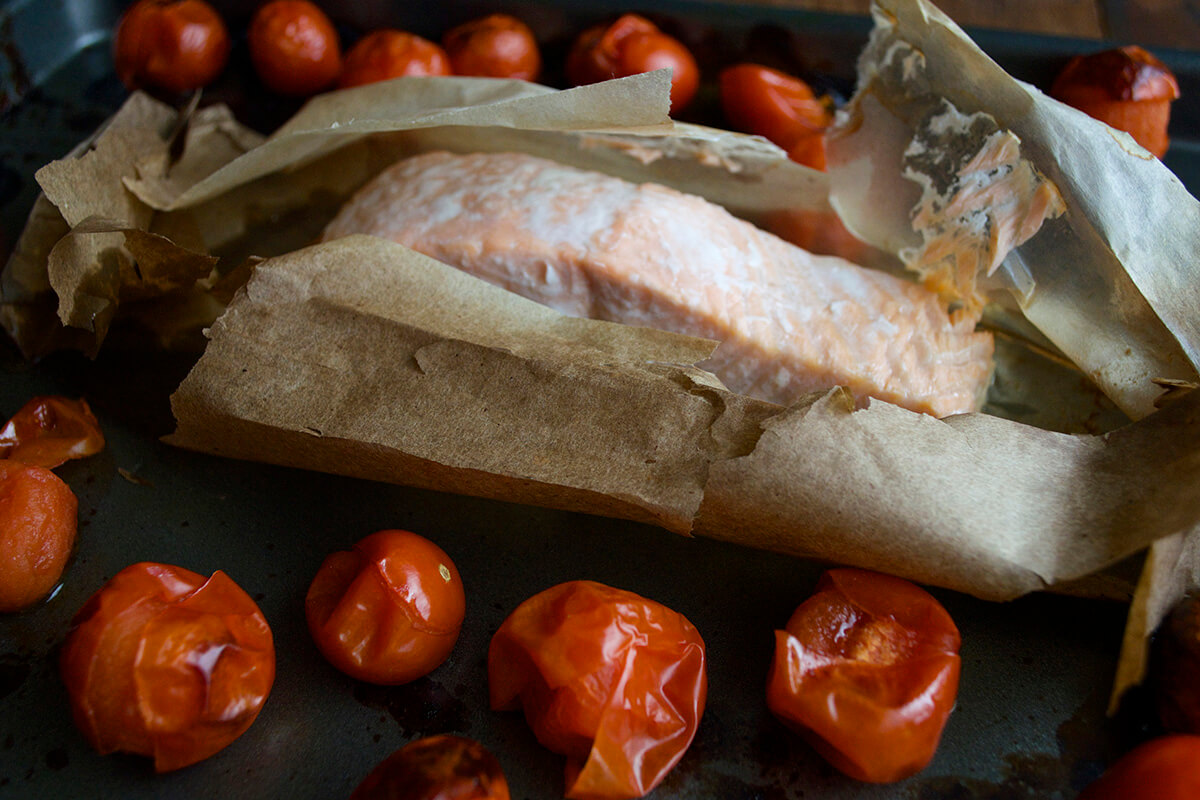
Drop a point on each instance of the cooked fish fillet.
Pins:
(595, 246)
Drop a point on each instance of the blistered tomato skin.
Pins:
(867, 671)
(164, 663)
(495, 46)
(38, 514)
(388, 611)
(436, 768)
(1166, 768)
(613, 681)
(630, 46)
(178, 45)
(50, 430)
(294, 47)
(386, 54)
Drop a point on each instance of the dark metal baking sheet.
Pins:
(1030, 718)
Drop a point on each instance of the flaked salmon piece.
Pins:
(591, 245)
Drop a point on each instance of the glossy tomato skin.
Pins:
(294, 47)
(780, 107)
(867, 671)
(385, 54)
(613, 681)
(440, 767)
(50, 430)
(630, 46)
(38, 518)
(177, 45)
(1166, 768)
(495, 46)
(164, 663)
(388, 611)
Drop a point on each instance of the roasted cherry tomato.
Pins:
(294, 47)
(50, 430)
(388, 611)
(1166, 768)
(164, 663)
(867, 671)
(436, 768)
(779, 107)
(495, 46)
(1126, 88)
(177, 45)
(611, 680)
(630, 46)
(387, 54)
(37, 532)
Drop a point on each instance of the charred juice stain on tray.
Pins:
(420, 708)
(13, 672)
(57, 759)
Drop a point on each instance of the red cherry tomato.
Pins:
(294, 47)
(1166, 768)
(387, 54)
(388, 611)
(867, 671)
(630, 46)
(37, 532)
(611, 680)
(436, 768)
(495, 46)
(50, 430)
(778, 106)
(177, 45)
(163, 663)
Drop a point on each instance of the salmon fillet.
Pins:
(591, 245)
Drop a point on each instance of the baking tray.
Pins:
(1036, 672)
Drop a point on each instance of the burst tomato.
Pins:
(779, 107)
(495, 46)
(436, 768)
(387, 54)
(1166, 768)
(164, 663)
(48, 431)
(611, 680)
(389, 611)
(294, 47)
(37, 532)
(867, 671)
(178, 45)
(630, 46)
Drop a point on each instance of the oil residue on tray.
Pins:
(420, 708)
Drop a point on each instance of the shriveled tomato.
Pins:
(178, 45)
(867, 671)
(1166, 768)
(1127, 88)
(294, 47)
(436, 768)
(386, 54)
(164, 663)
(780, 107)
(495, 46)
(37, 532)
(50, 430)
(630, 46)
(611, 680)
(388, 611)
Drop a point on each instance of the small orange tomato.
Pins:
(166, 664)
(50, 430)
(1166, 768)
(387, 54)
(630, 46)
(389, 611)
(436, 768)
(779, 107)
(177, 45)
(37, 532)
(1126, 88)
(495, 46)
(867, 671)
(294, 47)
(611, 680)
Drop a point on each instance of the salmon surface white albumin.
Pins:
(591, 245)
